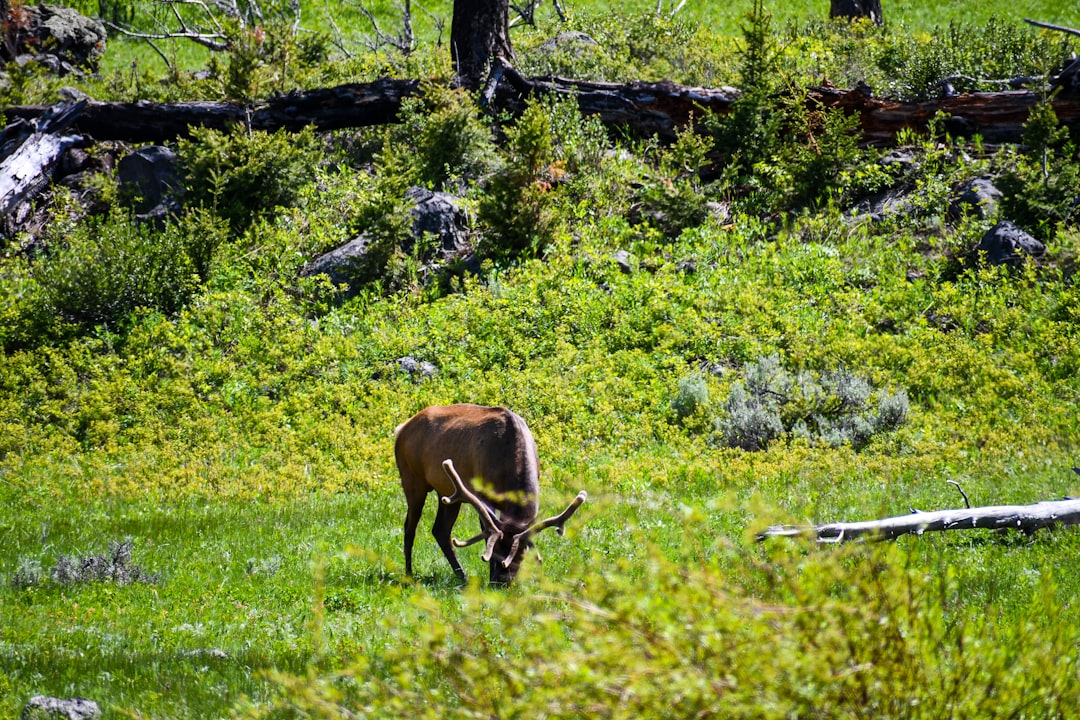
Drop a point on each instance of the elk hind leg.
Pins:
(415, 503)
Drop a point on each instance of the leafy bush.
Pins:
(107, 267)
(450, 142)
(516, 209)
(676, 200)
(1041, 185)
(640, 46)
(242, 175)
(964, 57)
(835, 407)
(693, 394)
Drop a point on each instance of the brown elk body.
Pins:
(493, 449)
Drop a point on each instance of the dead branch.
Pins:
(203, 22)
(1072, 70)
(404, 41)
(1027, 518)
(1049, 26)
(967, 503)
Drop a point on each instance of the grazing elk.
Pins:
(493, 448)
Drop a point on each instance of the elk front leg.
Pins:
(444, 524)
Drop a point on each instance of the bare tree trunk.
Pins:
(857, 9)
(480, 31)
(7, 33)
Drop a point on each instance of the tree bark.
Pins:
(479, 32)
(1028, 518)
(857, 9)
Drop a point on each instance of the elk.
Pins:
(494, 449)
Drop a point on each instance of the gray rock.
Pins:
(625, 261)
(434, 215)
(977, 197)
(1005, 243)
(59, 38)
(73, 37)
(573, 42)
(341, 263)
(887, 204)
(42, 707)
(417, 368)
(152, 172)
(440, 215)
(902, 157)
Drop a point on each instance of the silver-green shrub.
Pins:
(693, 393)
(837, 407)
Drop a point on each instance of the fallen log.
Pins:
(998, 117)
(31, 151)
(344, 106)
(642, 108)
(1027, 518)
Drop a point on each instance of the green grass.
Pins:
(242, 439)
(274, 523)
(725, 20)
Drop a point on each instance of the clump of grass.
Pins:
(114, 565)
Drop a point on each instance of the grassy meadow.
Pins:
(200, 514)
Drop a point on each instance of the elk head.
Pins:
(494, 449)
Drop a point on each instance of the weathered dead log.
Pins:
(30, 152)
(354, 105)
(1027, 518)
(643, 108)
(646, 109)
(998, 117)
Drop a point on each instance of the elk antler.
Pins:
(557, 521)
(490, 531)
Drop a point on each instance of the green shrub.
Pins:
(516, 208)
(242, 175)
(1040, 185)
(676, 200)
(271, 56)
(693, 395)
(106, 267)
(750, 132)
(638, 46)
(441, 139)
(823, 152)
(967, 57)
